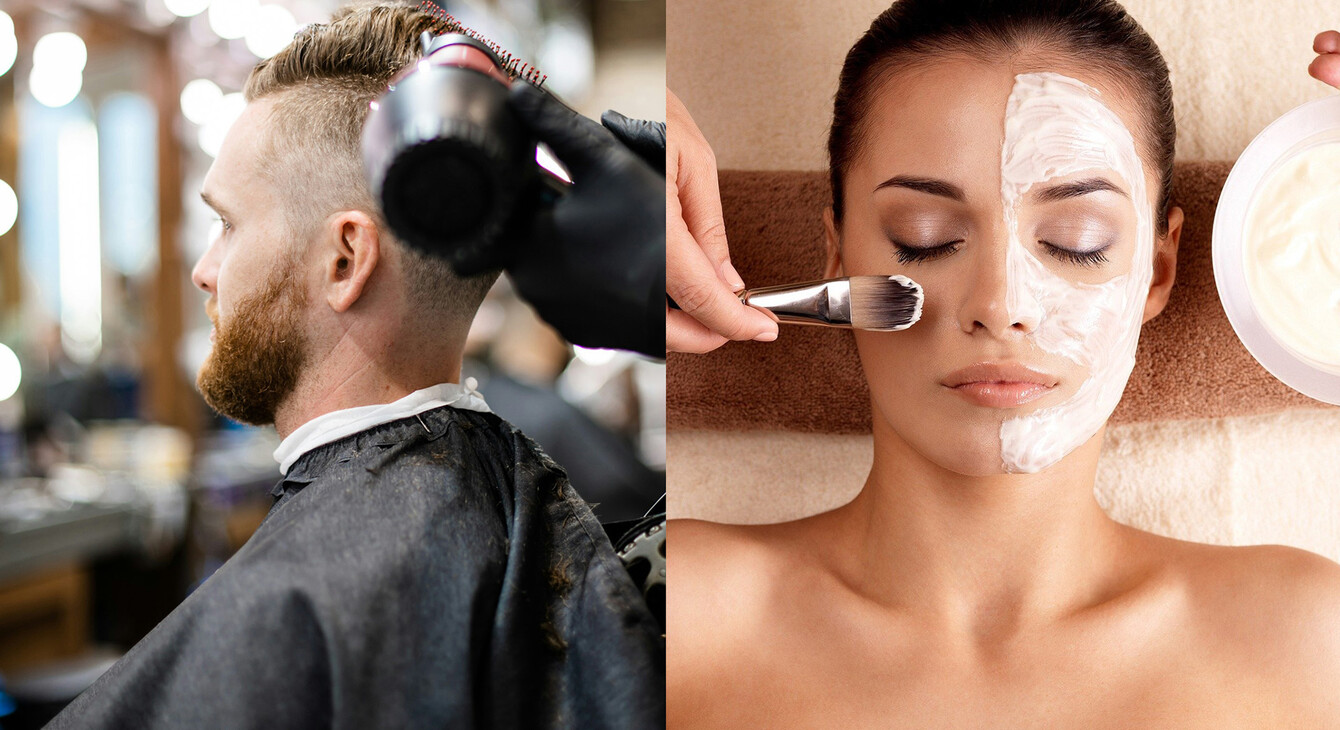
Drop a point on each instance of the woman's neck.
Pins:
(982, 556)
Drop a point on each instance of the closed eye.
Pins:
(1087, 259)
(915, 254)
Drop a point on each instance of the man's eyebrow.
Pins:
(211, 202)
(1074, 189)
(925, 185)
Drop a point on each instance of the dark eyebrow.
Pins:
(925, 185)
(1067, 190)
(211, 202)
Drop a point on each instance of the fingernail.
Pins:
(765, 337)
(731, 276)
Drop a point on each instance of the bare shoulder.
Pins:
(1284, 585)
(721, 582)
(706, 549)
(1275, 609)
(716, 572)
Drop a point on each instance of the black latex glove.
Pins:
(645, 138)
(592, 262)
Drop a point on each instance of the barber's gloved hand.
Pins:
(592, 262)
(645, 138)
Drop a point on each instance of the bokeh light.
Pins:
(9, 207)
(271, 29)
(231, 18)
(198, 100)
(186, 8)
(54, 87)
(11, 374)
(58, 68)
(216, 127)
(9, 44)
(62, 52)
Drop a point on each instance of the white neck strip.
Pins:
(333, 426)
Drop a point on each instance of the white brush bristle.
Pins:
(884, 303)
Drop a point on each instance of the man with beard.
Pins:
(424, 564)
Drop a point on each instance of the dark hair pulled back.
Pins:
(1097, 34)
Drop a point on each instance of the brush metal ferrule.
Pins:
(824, 303)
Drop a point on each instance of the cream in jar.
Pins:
(1292, 255)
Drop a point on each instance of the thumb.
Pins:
(1326, 69)
(580, 143)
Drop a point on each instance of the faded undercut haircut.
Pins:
(322, 84)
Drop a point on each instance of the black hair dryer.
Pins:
(446, 158)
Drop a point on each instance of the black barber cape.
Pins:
(432, 572)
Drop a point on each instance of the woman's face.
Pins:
(1020, 204)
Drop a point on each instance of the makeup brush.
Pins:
(877, 303)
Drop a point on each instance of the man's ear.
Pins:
(351, 250)
(833, 263)
(1165, 265)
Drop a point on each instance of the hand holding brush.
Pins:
(876, 303)
(698, 272)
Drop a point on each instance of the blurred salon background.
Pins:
(120, 491)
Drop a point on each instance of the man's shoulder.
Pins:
(463, 440)
(461, 487)
(453, 498)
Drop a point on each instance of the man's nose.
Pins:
(999, 298)
(206, 272)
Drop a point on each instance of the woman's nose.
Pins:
(998, 298)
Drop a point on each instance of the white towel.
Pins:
(1245, 480)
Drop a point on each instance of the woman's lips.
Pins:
(1002, 395)
(1000, 384)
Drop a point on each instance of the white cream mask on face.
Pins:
(1056, 126)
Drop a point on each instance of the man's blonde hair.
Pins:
(321, 84)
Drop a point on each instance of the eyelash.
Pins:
(1088, 259)
(226, 225)
(914, 254)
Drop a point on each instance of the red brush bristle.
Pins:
(512, 66)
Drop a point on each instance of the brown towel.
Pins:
(1190, 363)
